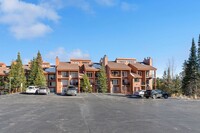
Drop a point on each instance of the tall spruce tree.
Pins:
(33, 71)
(198, 55)
(40, 79)
(21, 73)
(36, 76)
(190, 80)
(85, 84)
(16, 75)
(102, 80)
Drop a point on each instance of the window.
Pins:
(140, 73)
(115, 73)
(124, 74)
(125, 82)
(97, 74)
(65, 74)
(74, 74)
(89, 74)
(74, 82)
(91, 81)
(115, 89)
(64, 82)
(52, 84)
(147, 73)
(115, 82)
(137, 80)
(51, 77)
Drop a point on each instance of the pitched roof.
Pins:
(90, 68)
(4, 71)
(50, 70)
(2, 64)
(118, 66)
(140, 66)
(67, 66)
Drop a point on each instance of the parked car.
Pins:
(156, 94)
(70, 91)
(43, 90)
(140, 93)
(32, 90)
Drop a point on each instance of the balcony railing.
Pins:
(125, 83)
(115, 75)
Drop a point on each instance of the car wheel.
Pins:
(147, 97)
(36, 92)
(154, 97)
(165, 96)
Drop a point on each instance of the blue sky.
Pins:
(161, 29)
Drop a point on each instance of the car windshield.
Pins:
(159, 91)
(30, 87)
(72, 88)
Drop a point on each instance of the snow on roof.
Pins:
(51, 69)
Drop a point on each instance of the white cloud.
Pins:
(77, 53)
(65, 55)
(128, 7)
(106, 2)
(80, 4)
(26, 20)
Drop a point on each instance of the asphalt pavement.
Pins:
(97, 113)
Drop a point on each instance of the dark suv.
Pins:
(156, 94)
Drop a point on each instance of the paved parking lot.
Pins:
(96, 113)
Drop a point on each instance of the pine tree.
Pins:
(190, 80)
(85, 84)
(198, 55)
(33, 71)
(36, 76)
(102, 80)
(12, 76)
(16, 74)
(21, 75)
(40, 79)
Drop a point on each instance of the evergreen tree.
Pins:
(85, 84)
(198, 55)
(40, 78)
(176, 85)
(190, 80)
(17, 75)
(21, 73)
(12, 76)
(36, 76)
(33, 71)
(102, 80)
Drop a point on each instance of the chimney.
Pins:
(57, 61)
(148, 61)
(105, 60)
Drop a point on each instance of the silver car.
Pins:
(70, 91)
(43, 90)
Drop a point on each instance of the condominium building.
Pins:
(67, 73)
(124, 75)
(3, 69)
